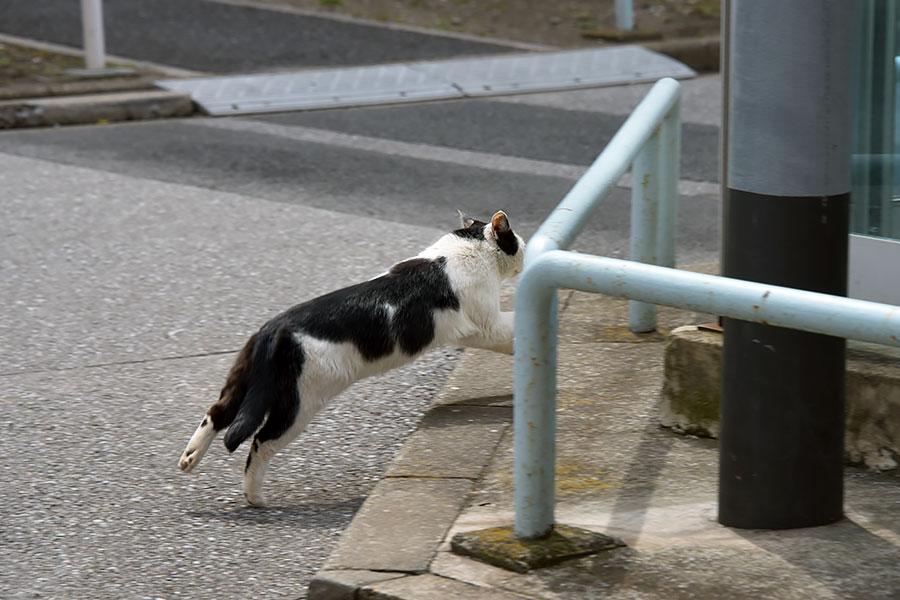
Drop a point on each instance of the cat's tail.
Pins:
(270, 383)
(262, 380)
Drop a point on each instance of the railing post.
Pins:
(534, 413)
(639, 141)
(670, 141)
(645, 194)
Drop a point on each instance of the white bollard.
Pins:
(624, 15)
(92, 26)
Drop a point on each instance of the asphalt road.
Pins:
(136, 258)
(315, 158)
(124, 299)
(202, 35)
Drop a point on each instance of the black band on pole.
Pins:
(782, 419)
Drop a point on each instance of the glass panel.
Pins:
(875, 197)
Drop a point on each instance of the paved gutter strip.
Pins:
(390, 544)
(401, 525)
(405, 519)
(432, 587)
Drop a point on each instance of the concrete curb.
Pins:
(77, 87)
(94, 108)
(388, 547)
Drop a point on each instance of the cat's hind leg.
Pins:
(280, 429)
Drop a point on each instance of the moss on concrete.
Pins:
(500, 547)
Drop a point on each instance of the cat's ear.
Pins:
(500, 223)
(465, 219)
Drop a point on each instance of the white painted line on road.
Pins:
(455, 156)
(465, 158)
(701, 99)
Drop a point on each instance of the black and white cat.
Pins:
(448, 295)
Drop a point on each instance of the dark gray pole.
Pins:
(786, 223)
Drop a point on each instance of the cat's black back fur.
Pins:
(358, 314)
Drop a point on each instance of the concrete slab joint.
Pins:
(344, 584)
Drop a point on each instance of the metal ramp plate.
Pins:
(414, 82)
(301, 90)
(556, 70)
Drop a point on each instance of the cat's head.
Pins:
(500, 239)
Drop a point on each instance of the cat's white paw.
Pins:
(255, 499)
(197, 445)
(189, 459)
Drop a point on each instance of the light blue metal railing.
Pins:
(649, 138)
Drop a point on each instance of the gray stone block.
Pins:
(401, 525)
(452, 441)
(692, 393)
(692, 388)
(479, 374)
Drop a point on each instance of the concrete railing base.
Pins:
(692, 392)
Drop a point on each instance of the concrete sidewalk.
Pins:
(617, 472)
